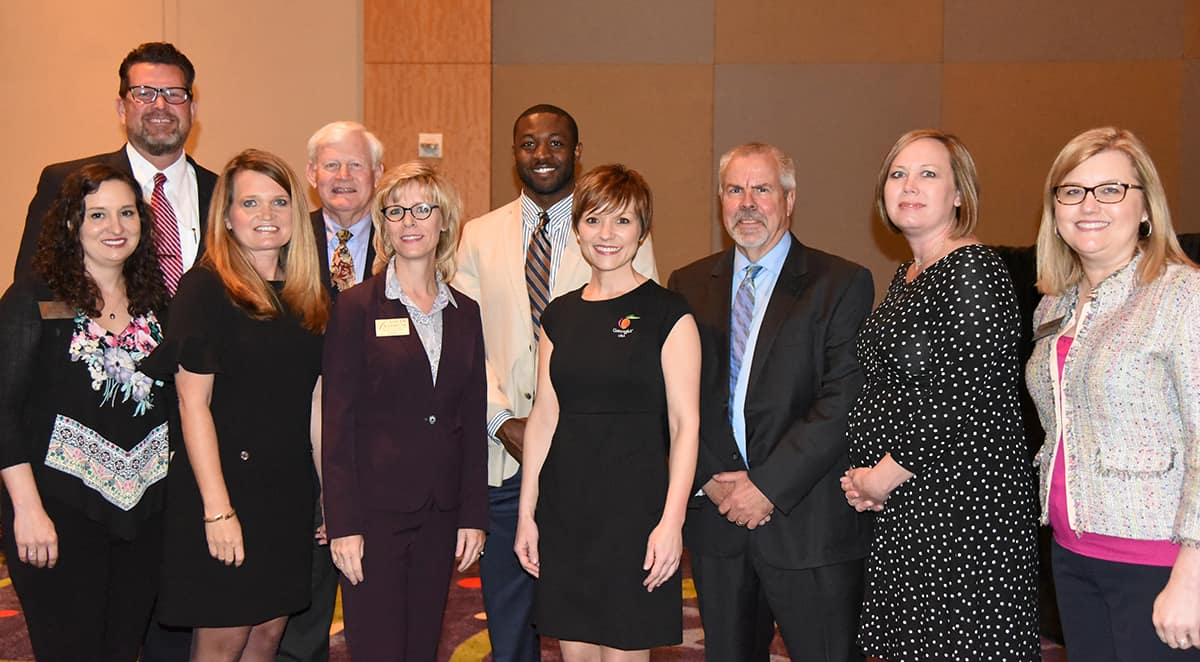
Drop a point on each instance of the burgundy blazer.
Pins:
(392, 441)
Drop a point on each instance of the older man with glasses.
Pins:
(156, 107)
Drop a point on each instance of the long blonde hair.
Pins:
(303, 292)
(1058, 266)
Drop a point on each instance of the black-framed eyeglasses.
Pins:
(419, 211)
(1108, 194)
(147, 94)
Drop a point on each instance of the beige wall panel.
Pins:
(454, 100)
(427, 31)
(267, 88)
(806, 31)
(1061, 30)
(1016, 117)
(653, 118)
(248, 83)
(1186, 214)
(837, 123)
(617, 31)
(65, 106)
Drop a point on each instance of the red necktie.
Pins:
(166, 235)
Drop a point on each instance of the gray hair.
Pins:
(338, 131)
(787, 167)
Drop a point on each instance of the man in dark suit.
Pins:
(770, 536)
(345, 162)
(156, 107)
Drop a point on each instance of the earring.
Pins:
(1145, 229)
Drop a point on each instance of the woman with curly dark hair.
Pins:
(83, 438)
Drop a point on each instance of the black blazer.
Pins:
(392, 441)
(318, 223)
(52, 179)
(803, 380)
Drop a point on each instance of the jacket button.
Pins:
(528, 396)
(431, 420)
(245, 455)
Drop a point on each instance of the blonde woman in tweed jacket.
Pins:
(1115, 374)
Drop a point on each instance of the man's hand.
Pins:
(745, 505)
(512, 435)
(717, 492)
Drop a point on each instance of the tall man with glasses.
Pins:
(156, 107)
(770, 536)
(512, 261)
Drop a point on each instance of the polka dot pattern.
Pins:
(953, 568)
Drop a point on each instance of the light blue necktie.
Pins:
(739, 330)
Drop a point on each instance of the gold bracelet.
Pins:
(217, 518)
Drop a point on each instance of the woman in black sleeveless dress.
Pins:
(610, 449)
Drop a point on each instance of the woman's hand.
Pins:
(1177, 609)
(526, 545)
(225, 540)
(469, 547)
(35, 536)
(851, 484)
(664, 548)
(347, 553)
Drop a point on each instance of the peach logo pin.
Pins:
(624, 326)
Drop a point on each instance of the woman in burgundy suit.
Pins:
(404, 435)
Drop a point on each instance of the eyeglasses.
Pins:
(172, 95)
(419, 211)
(1108, 194)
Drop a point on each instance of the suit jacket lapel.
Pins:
(368, 270)
(779, 308)
(318, 225)
(721, 301)
(513, 246)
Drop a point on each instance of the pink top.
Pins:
(1094, 545)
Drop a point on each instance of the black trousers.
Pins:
(95, 603)
(1107, 609)
(742, 599)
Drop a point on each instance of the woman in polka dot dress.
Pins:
(936, 436)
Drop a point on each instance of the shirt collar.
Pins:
(356, 230)
(772, 261)
(560, 212)
(392, 290)
(144, 171)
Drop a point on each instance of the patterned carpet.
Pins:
(464, 633)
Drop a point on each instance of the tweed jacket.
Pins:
(1128, 408)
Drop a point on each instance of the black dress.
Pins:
(264, 372)
(604, 483)
(952, 571)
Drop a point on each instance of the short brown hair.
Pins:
(966, 179)
(611, 187)
(156, 52)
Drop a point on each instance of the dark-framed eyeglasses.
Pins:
(147, 94)
(1108, 194)
(419, 211)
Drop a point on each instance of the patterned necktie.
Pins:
(739, 327)
(341, 267)
(537, 272)
(166, 235)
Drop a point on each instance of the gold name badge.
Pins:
(395, 326)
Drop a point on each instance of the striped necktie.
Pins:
(739, 327)
(166, 235)
(537, 272)
(341, 267)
